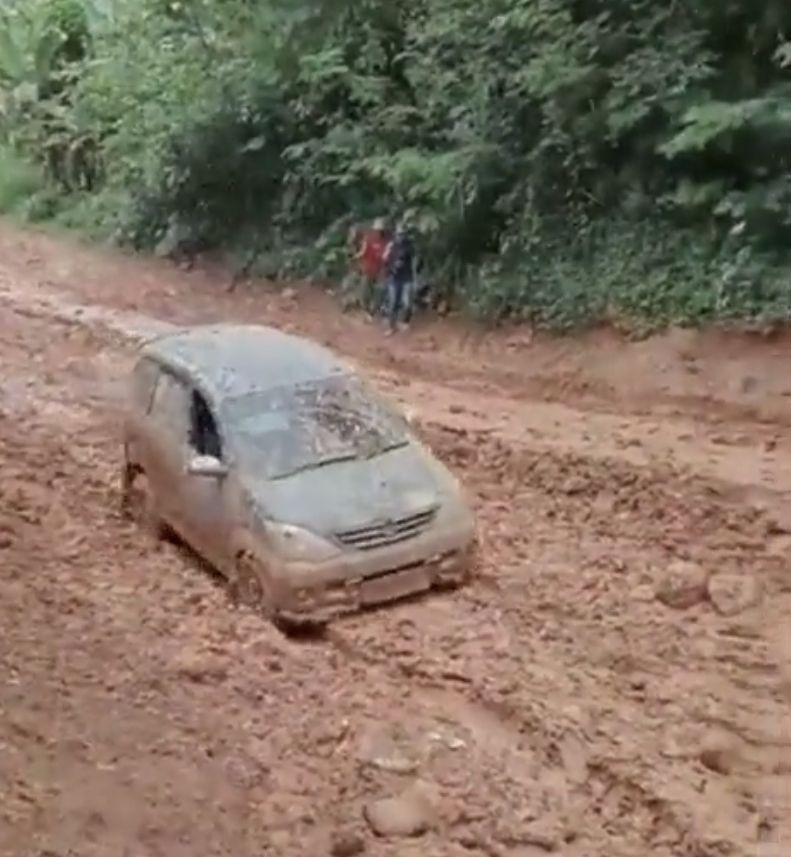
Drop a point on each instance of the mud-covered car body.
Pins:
(279, 466)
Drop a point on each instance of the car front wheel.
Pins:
(252, 588)
(139, 503)
(247, 587)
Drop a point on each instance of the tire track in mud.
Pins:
(756, 471)
(578, 746)
(715, 379)
(77, 422)
(635, 650)
(112, 609)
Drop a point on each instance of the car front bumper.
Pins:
(322, 592)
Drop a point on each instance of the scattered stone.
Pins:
(643, 593)
(543, 835)
(410, 814)
(682, 586)
(380, 749)
(289, 294)
(244, 772)
(540, 836)
(732, 594)
(720, 752)
(395, 764)
(202, 668)
(346, 843)
(574, 485)
(447, 740)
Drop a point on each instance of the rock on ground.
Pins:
(732, 594)
(721, 752)
(682, 586)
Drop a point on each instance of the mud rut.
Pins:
(556, 706)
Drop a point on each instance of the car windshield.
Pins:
(284, 430)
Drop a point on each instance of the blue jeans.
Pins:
(399, 300)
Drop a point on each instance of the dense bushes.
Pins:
(565, 161)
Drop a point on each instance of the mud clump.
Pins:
(346, 844)
(382, 750)
(732, 594)
(682, 586)
(201, 668)
(721, 752)
(410, 814)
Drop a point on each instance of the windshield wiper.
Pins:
(322, 462)
(390, 447)
(336, 459)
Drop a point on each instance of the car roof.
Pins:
(230, 360)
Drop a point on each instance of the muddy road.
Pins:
(615, 683)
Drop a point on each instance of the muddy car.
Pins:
(284, 470)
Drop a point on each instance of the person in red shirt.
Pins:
(369, 247)
(372, 251)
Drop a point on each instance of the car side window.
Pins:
(204, 434)
(170, 405)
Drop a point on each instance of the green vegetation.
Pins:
(20, 182)
(564, 161)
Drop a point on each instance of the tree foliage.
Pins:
(564, 161)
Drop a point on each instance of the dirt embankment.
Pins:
(614, 683)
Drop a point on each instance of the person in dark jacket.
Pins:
(401, 266)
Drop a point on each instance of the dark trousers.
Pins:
(399, 300)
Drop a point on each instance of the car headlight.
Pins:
(299, 545)
(455, 513)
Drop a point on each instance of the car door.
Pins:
(207, 499)
(168, 447)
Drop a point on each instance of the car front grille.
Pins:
(387, 533)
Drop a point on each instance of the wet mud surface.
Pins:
(615, 683)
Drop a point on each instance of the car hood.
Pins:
(348, 494)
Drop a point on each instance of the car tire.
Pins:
(248, 587)
(251, 588)
(140, 505)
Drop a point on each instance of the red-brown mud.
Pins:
(558, 705)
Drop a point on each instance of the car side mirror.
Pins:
(207, 466)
